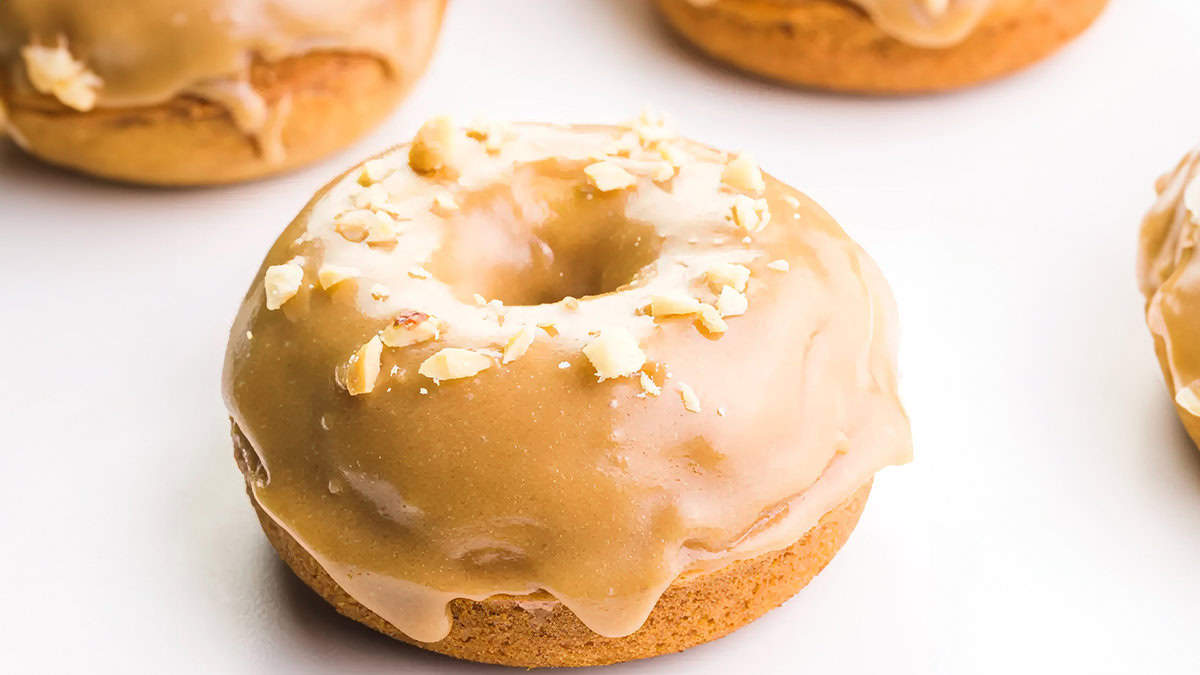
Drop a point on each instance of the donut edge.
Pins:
(829, 44)
(692, 611)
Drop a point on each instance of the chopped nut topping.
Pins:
(673, 305)
(721, 412)
(518, 344)
(752, 215)
(1187, 399)
(742, 173)
(363, 369)
(726, 274)
(443, 203)
(690, 400)
(731, 302)
(434, 146)
(711, 319)
(479, 299)
(410, 328)
(571, 303)
(491, 134)
(608, 176)
(373, 171)
(362, 225)
(380, 292)
(614, 354)
(648, 385)
(374, 198)
(673, 154)
(453, 363)
(53, 71)
(779, 265)
(332, 275)
(652, 127)
(791, 201)
(281, 283)
(550, 327)
(418, 272)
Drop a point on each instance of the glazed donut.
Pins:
(880, 46)
(545, 395)
(1169, 274)
(204, 91)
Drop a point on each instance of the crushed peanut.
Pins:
(615, 353)
(410, 328)
(779, 265)
(711, 319)
(690, 400)
(282, 282)
(649, 388)
(727, 274)
(752, 215)
(453, 363)
(742, 173)
(418, 272)
(435, 145)
(518, 344)
(652, 127)
(332, 275)
(53, 71)
(731, 302)
(363, 369)
(673, 305)
(607, 176)
(362, 225)
(380, 292)
(373, 171)
(1187, 399)
(443, 203)
(491, 134)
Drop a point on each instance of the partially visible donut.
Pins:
(217, 91)
(880, 46)
(604, 370)
(1169, 276)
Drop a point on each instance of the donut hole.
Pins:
(542, 238)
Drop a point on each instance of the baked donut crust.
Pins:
(831, 44)
(691, 612)
(335, 98)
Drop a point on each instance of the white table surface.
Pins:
(1051, 521)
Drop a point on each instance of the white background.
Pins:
(1051, 521)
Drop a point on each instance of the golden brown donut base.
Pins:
(692, 611)
(1191, 423)
(831, 44)
(335, 98)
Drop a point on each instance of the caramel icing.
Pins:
(1169, 272)
(145, 52)
(924, 23)
(606, 448)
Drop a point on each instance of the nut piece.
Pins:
(434, 146)
(361, 225)
(518, 344)
(418, 272)
(648, 386)
(409, 328)
(651, 127)
(615, 353)
(608, 176)
(711, 319)
(780, 265)
(690, 400)
(742, 173)
(673, 305)
(443, 203)
(332, 275)
(1187, 399)
(731, 302)
(453, 363)
(752, 215)
(726, 274)
(53, 71)
(363, 369)
(282, 282)
(373, 171)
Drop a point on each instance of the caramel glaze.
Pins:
(1169, 273)
(533, 476)
(923, 23)
(146, 52)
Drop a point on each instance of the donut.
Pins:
(197, 92)
(544, 395)
(1169, 276)
(880, 46)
